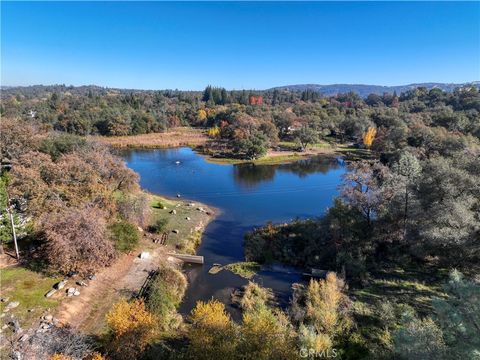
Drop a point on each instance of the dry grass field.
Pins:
(181, 136)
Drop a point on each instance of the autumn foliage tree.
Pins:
(89, 175)
(326, 305)
(201, 115)
(322, 312)
(267, 334)
(214, 132)
(131, 327)
(212, 334)
(369, 136)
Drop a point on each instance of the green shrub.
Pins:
(158, 205)
(246, 269)
(159, 227)
(125, 235)
(60, 144)
(255, 296)
(165, 295)
(5, 226)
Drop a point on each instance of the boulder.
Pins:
(173, 212)
(71, 291)
(191, 204)
(176, 231)
(50, 293)
(178, 195)
(144, 255)
(48, 317)
(61, 284)
(82, 283)
(11, 305)
(188, 218)
(5, 299)
(15, 326)
(76, 293)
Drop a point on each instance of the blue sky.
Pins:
(159, 45)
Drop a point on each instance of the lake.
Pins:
(247, 196)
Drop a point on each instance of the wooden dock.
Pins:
(194, 259)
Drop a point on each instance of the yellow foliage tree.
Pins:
(95, 356)
(201, 114)
(324, 300)
(213, 334)
(131, 326)
(267, 334)
(60, 357)
(369, 136)
(214, 131)
(310, 339)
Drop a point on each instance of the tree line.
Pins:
(411, 118)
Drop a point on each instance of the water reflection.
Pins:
(250, 175)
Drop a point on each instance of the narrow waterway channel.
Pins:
(248, 196)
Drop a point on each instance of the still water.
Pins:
(247, 196)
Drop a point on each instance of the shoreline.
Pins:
(199, 230)
(278, 158)
(195, 139)
(210, 211)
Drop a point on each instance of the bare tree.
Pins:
(56, 340)
(76, 240)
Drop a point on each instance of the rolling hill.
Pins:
(365, 90)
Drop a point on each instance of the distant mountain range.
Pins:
(327, 90)
(364, 90)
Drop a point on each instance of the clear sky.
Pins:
(158, 45)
